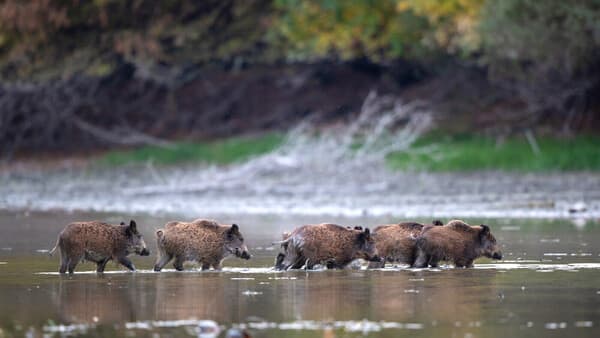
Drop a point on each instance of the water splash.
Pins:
(325, 160)
(285, 275)
(339, 171)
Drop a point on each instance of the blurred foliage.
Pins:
(512, 36)
(541, 40)
(379, 30)
(216, 152)
(60, 37)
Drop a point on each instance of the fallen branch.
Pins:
(123, 137)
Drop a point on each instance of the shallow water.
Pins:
(548, 285)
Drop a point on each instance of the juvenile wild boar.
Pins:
(99, 243)
(202, 241)
(457, 242)
(332, 245)
(397, 242)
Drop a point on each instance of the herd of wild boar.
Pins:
(208, 243)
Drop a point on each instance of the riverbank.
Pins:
(432, 152)
(281, 186)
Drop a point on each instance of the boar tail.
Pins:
(281, 242)
(51, 252)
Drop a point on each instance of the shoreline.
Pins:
(254, 189)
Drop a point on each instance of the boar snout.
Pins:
(497, 255)
(245, 255)
(375, 258)
(242, 253)
(145, 252)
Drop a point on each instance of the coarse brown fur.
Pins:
(396, 243)
(457, 242)
(332, 245)
(202, 241)
(98, 242)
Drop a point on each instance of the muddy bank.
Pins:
(280, 188)
(125, 109)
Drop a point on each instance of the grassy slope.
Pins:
(468, 153)
(217, 152)
(431, 153)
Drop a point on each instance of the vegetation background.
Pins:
(80, 76)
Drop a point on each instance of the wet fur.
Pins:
(201, 241)
(396, 243)
(456, 242)
(328, 244)
(97, 242)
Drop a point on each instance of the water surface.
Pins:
(548, 285)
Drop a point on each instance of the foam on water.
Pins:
(258, 270)
(212, 329)
(270, 270)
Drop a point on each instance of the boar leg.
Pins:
(279, 261)
(309, 265)
(377, 265)
(162, 261)
(63, 266)
(293, 261)
(64, 261)
(126, 262)
(73, 261)
(205, 266)
(463, 263)
(178, 263)
(217, 266)
(421, 260)
(101, 265)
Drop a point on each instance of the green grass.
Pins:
(214, 152)
(469, 152)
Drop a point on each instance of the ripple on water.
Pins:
(365, 326)
(268, 270)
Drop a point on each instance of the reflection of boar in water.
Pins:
(329, 244)
(203, 241)
(99, 243)
(397, 242)
(457, 242)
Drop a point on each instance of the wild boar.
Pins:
(202, 241)
(457, 242)
(98, 242)
(397, 242)
(329, 244)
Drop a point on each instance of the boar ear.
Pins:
(358, 227)
(367, 233)
(233, 230)
(122, 223)
(133, 226)
(484, 230)
(437, 222)
(159, 233)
